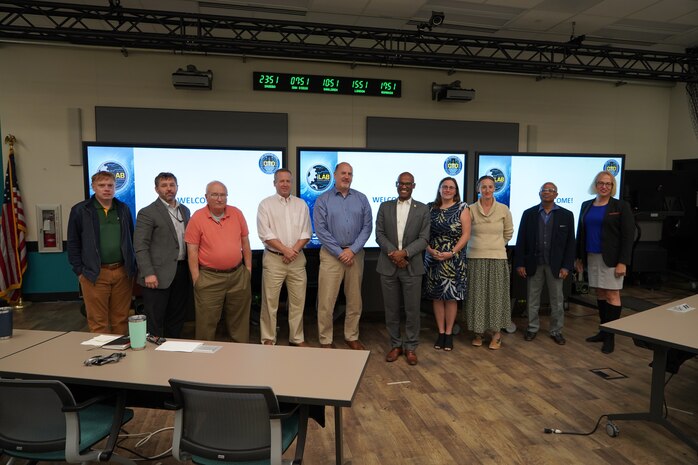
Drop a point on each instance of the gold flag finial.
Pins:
(10, 139)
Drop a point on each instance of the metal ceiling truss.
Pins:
(186, 32)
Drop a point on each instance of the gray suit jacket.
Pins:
(414, 239)
(155, 243)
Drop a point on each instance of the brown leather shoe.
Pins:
(268, 343)
(328, 346)
(355, 345)
(411, 357)
(394, 354)
(299, 344)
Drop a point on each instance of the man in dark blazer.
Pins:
(545, 250)
(402, 232)
(161, 254)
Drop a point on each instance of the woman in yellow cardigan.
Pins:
(487, 305)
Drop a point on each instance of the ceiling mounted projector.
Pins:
(452, 91)
(192, 78)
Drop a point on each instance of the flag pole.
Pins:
(19, 304)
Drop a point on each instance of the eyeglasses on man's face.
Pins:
(216, 195)
(404, 184)
(548, 190)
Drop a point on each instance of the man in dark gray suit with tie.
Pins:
(402, 232)
(161, 254)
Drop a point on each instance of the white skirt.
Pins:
(600, 275)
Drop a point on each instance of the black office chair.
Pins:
(41, 421)
(218, 423)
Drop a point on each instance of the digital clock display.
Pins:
(316, 84)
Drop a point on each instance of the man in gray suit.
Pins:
(161, 254)
(402, 232)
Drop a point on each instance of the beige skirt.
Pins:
(600, 275)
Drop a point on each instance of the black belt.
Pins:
(216, 270)
(273, 251)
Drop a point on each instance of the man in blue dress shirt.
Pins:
(343, 223)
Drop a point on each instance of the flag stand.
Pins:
(20, 304)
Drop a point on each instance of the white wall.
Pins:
(683, 138)
(39, 83)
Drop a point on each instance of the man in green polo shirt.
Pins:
(100, 251)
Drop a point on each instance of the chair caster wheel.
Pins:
(612, 430)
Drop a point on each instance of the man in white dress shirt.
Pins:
(283, 224)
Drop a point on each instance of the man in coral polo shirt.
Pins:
(220, 261)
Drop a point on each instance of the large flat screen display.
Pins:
(519, 177)
(247, 173)
(375, 174)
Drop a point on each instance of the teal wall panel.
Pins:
(49, 273)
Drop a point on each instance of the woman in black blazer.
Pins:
(604, 245)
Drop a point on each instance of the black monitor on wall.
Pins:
(246, 172)
(519, 177)
(375, 174)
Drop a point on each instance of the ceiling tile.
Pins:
(537, 20)
(666, 10)
(514, 3)
(354, 7)
(618, 8)
(583, 24)
(566, 6)
(393, 8)
(651, 26)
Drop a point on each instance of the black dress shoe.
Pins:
(598, 337)
(529, 336)
(559, 339)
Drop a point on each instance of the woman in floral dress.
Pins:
(445, 269)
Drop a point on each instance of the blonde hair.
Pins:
(99, 175)
(592, 188)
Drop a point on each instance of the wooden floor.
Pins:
(474, 405)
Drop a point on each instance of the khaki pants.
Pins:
(218, 292)
(332, 272)
(274, 274)
(108, 301)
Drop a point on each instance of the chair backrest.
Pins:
(31, 416)
(227, 423)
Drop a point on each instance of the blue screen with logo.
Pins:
(375, 174)
(247, 173)
(519, 177)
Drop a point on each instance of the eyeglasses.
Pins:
(448, 188)
(549, 191)
(218, 196)
(100, 360)
(604, 184)
(404, 184)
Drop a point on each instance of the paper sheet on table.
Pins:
(100, 340)
(179, 346)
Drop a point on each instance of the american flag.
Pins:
(13, 248)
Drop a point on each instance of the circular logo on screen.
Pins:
(612, 167)
(453, 166)
(499, 179)
(269, 163)
(119, 172)
(318, 177)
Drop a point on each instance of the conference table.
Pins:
(667, 326)
(23, 339)
(302, 375)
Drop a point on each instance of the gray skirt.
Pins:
(600, 275)
(487, 305)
